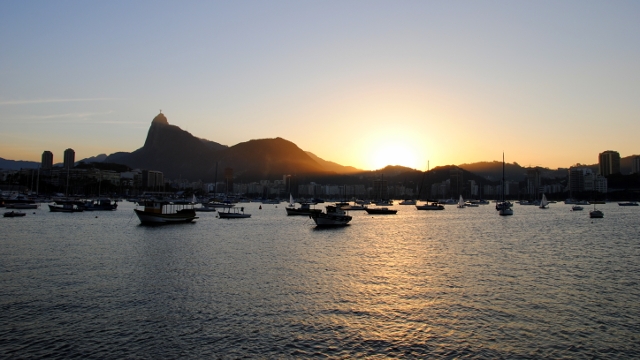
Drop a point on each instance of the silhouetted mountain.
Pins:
(333, 167)
(17, 165)
(268, 159)
(177, 153)
(97, 158)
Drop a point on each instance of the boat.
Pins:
(461, 203)
(65, 207)
(205, 208)
(630, 203)
(434, 205)
(504, 208)
(471, 204)
(381, 211)
(334, 216)
(233, 213)
(100, 205)
(354, 207)
(407, 202)
(14, 214)
(383, 203)
(544, 203)
(577, 208)
(595, 213)
(304, 209)
(164, 212)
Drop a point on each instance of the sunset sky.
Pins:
(360, 83)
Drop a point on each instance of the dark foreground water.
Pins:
(458, 283)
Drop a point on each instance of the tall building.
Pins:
(635, 165)
(609, 162)
(380, 190)
(69, 158)
(47, 160)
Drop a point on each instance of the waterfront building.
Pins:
(635, 165)
(69, 158)
(47, 160)
(609, 162)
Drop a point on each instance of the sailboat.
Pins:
(595, 213)
(504, 207)
(461, 203)
(544, 203)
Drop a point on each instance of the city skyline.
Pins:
(363, 84)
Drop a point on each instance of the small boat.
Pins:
(471, 204)
(434, 205)
(334, 216)
(164, 212)
(544, 203)
(66, 208)
(354, 207)
(383, 203)
(14, 214)
(304, 209)
(504, 207)
(100, 205)
(630, 203)
(407, 202)
(577, 208)
(595, 213)
(233, 213)
(205, 208)
(461, 203)
(381, 211)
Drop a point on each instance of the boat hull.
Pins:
(381, 211)
(224, 215)
(301, 212)
(182, 216)
(330, 220)
(64, 209)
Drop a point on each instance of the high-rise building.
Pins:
(635, 165)
(69, 158)
(609, 162)
(47, 160)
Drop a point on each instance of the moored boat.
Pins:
(102, 204)
(434, 205)
(381, 211)
(14, 214)
(163, 212)
(630, 203)
(304, 209)
(65, 207)
(233, 213)
(334, 216)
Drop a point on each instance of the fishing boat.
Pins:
(304, 209)
(233, 213)
(334, 216)
(381, 211)
(504, 207)
(164, 212)
(14, 214)
(544, 203)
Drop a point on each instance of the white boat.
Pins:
(66, 208)
(334, 216)
(504, 207)
(544, 203)
(471, 204)
(577, 208)
(407, 202)
(163, 212)
(461, 203)
(233, 213)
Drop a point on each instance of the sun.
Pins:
(393, 153)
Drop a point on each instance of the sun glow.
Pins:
(395, 153)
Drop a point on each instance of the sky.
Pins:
(360, 83)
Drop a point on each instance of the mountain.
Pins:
(17, 165)
(98, 158)
(333, 167)
(177, 153)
